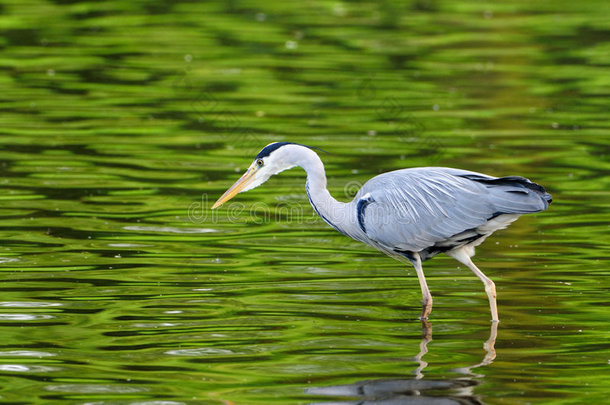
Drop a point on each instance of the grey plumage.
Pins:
(410, 214)
(432, 209)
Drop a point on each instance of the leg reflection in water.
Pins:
(426, 337)
(489, 356)
(415, 390)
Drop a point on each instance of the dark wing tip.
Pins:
(513, 181)
(548, 197)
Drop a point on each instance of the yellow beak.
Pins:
(236, 188)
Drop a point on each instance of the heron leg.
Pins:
(425, 292)
(462, 255)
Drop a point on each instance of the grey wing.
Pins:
(414, 209)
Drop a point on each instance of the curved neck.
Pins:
(333, 212)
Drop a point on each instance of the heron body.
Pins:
(409, 214)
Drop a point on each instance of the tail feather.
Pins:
(515, 194)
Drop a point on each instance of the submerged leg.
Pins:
(462, 255)
(425, 292)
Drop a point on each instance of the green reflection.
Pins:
(123, 121)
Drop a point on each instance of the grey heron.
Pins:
(409, 214)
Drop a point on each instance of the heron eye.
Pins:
(260, 163)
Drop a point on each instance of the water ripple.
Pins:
(96, 389)
(22, 368)
(24, 317)
(168, 229)
(26, 353)
(203, 351)
(22, 304)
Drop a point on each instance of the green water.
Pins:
(123, 121)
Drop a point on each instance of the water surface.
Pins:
(123, 121)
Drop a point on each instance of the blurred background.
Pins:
(123, 121)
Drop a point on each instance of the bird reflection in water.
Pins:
(418, 390)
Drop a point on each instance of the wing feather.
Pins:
(414, 209)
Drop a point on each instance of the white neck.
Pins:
(333, 212)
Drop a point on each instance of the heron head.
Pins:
(272, 159)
